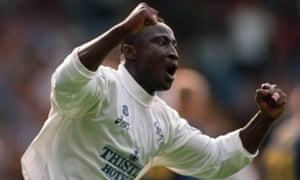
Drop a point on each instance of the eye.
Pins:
(162, 41)
(174, 43)
(165, 41)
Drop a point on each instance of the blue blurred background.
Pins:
(235, 44)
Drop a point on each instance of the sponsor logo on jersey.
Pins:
(118, 166)
(121, 121)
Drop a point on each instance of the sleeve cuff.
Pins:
(243, 150)
(79, 66)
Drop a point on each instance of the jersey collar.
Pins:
(134, 88)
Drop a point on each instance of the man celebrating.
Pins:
(109, 124)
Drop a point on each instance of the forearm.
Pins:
(255, 131)
(93, 52)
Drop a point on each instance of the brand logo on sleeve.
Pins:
(159, 132)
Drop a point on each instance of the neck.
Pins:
(139, 79)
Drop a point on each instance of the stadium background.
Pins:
(236, 44)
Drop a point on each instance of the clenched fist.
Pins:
(270, 100)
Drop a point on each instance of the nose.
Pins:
(173, 54)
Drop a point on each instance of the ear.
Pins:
(129, 52)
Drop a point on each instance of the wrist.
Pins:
(264, 116)
(123, 27)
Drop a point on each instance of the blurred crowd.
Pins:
(227, 49)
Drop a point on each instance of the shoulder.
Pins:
(169, 117)
(161, 106)
(107, 71)
(106, 75)
(176, 129)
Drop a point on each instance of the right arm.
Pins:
(73, 83)
(93, 52)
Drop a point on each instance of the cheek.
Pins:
(155, 66)
(151, 61)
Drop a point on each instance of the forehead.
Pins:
(160, 29)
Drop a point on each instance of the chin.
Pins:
(166, 87)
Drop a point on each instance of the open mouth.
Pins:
(171, 69)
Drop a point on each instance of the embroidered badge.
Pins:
(125, 110)
(134, 156)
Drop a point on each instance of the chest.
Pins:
(132, 131)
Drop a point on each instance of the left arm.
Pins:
(271, 103)
(202, 156)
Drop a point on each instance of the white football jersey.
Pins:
(103, 125)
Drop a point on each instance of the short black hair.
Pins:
(130, 39)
